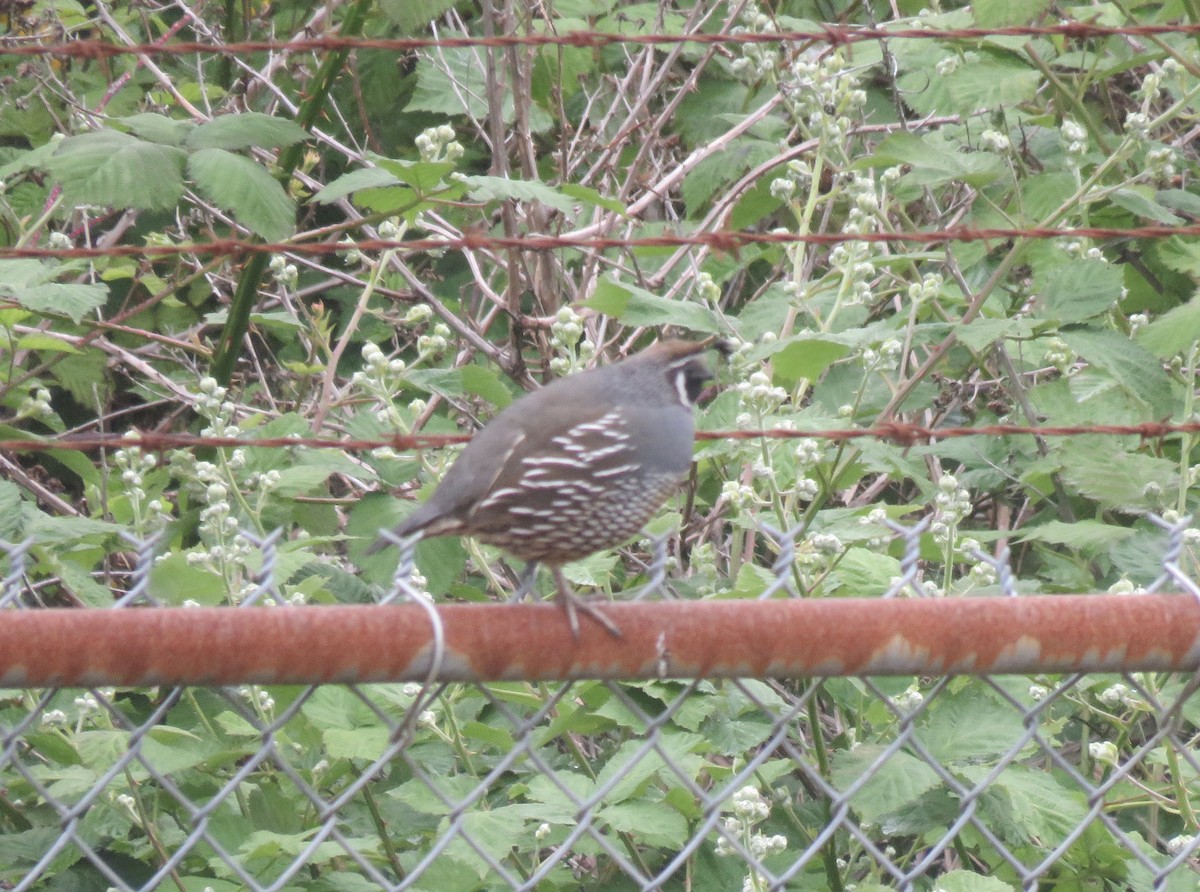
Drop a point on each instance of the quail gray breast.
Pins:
(576, 467)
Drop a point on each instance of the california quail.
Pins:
(576, 467)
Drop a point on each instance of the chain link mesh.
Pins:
(1026, 782)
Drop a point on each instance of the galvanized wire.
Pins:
(698, 783)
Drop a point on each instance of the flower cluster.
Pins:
(748, 809)
(438, 144)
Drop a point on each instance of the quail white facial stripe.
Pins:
(680, 378)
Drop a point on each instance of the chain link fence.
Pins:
(922, 780)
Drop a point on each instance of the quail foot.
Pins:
(576, 467)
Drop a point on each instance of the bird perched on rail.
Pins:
(576, 467)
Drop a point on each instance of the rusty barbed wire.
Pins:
(835, 35)
(896, 432)
(729, 241)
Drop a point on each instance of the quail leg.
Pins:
(573, 605)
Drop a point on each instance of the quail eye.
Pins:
(690, 380)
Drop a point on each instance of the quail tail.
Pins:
(574, 605)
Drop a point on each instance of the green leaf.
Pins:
(650, 823)
(588, 195)
(246, 130)
(114, 169)
(424, 176)
(349, 183)
(1042, 806)
(157, 128)
(999, 13)
(806, 357)
(487, 189)
(174, 580)
(636, 306)
(1082, 535)
(1078, 290)
(355, 743)
(1133, 368)
(898, 782)
(299, 480)
(482, 381)
(965, 881)
(935, 160)
(47, 343)
(1180, 200)
(865, 573)
(74, 301)
(982, 333)
(494, 830)
(454, 84)
(411, 18)
(1180, 253)
(10, 511)
(1098, 468)
(970, 725)
(239, 185)
(634, 768)
(1140, 202)
(1173, 332)
(752, 580)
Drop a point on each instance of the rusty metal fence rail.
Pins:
(142, 748)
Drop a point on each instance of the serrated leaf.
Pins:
(1180, 253)
(934, 160)
(636, 306)
(300, 479)
(424, 176)
(1179, 200)
(484, 382)
(588, 195)
(486, 189)
(969, 725)
(1143, 482)
(982, 333)
(1133, 368)
(1143, 205)
(349, 183)
(173, 580)
(1042, 806)
(74, 301)
(965, 881)
(239, 185)
(1172, 332)
(157, 128)
(806, 357)
(631, 767)
(246, 130)
(651, 823)
(865, 573)
(455, 79)
(47, 343)
(1078, 290)
(114, 169)
(897, 782)
(998, 13)
(409, 17)
(22, 272)
(10, 511)
(1082, 535)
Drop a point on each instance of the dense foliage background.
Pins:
(626, 141)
